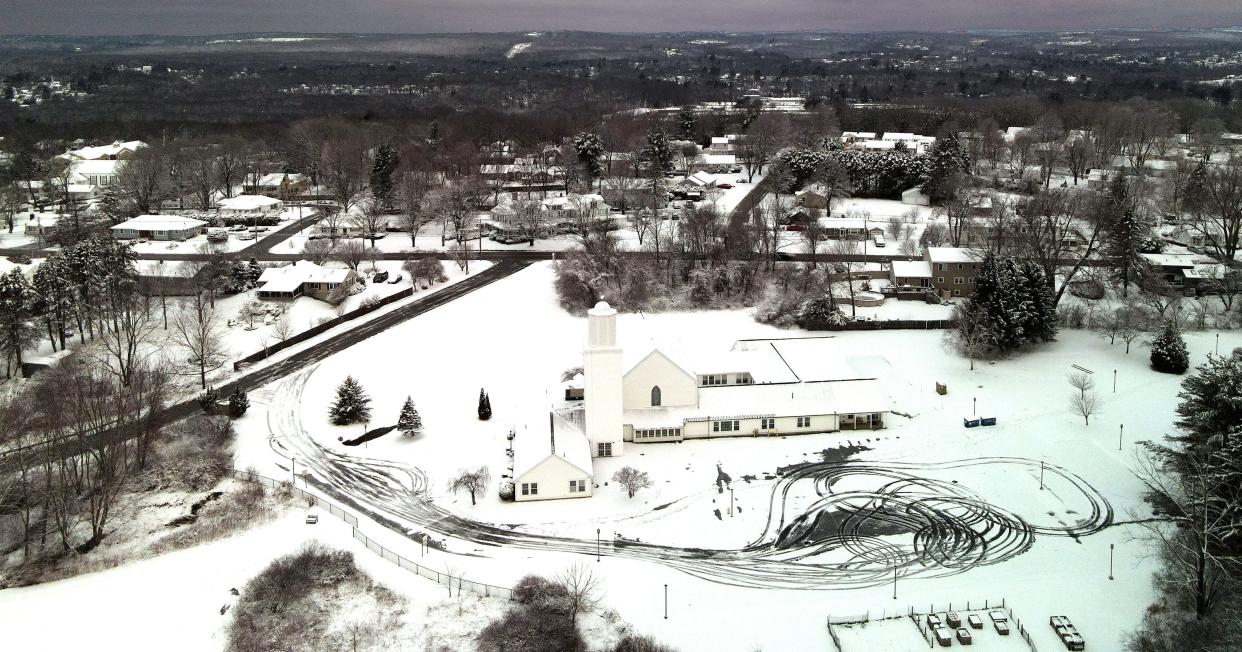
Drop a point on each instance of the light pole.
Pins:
(1041, 476)
(894, 582)
(1114, 381)
(294, 470)
(1110, 561)
(1120, 432)
(1218, 344)
(730, 502)
(665, 602)
(597, 545)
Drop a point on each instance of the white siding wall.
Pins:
(553, 475)
(677, 388)
(748, 427)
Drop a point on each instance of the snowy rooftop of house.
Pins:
(777, 400)
(274, 179)
(291, 277)
(892, 135)
(159, 223)
(572, 202)
(879, 144)
(1170, 260)
(248, 202)
(92, 166)
(814, 188)
(864, 135)
(700, 179)
(952, 255)
(718, 159)
(912, 269)
(538, 441)
(764, 364)
(105, 151)
(851, 223)
(720, 140)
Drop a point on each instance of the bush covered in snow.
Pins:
(1168, 350)
(296, 603)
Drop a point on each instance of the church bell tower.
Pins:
(601, 363)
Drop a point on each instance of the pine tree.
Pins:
(658, 153)
(485, 406)
(238, 403)
(18, 301)
(253, 271)
(351, 405)
(947, 162)
(1211, 401)
(1168, 350)
(382, 169)
(409, 422)
(590, 150)
(686, 122)
(208, 399)
(1040, 324)
(1125, 231)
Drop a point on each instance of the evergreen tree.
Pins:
(409, 422)
(590, 151)
(1125, 231)
(58, 297)
(351, 405)
(253, 271)
(382, 169)
(1211, 401)
(686, 122)
(238, 403)
(658, 153)
(485, 406)
(208, 399)
(1168, 350)
(1040, 324)
(18, 301)
(947, 163)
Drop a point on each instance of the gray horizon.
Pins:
(187, 18)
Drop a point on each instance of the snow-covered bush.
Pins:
(507, 490)
(1168, 350)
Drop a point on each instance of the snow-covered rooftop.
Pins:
(536, 443)
(777, 400)
(159, 223)
(248, 203)
(912, 269)
(105, 151)
(952, 255)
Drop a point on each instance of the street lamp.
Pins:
(294, 470)
(730, 502)
(596, 544)
(1110, 561)
(1120, 432)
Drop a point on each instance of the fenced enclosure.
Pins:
(442, 578)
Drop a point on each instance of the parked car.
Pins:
(725, 186)
(246, 236)
(395, 278)
(878, 240)
(379, 277)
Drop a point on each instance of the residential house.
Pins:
(302, 278)
(1178, 270)
(281, 185)
(250, 205)
(915, 197)
(911, 273)
(555, 464)
(953, 270)
(159, 227)
(115, 151)
(814, 196)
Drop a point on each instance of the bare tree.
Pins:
(410, 195)
(632, 479)
(1219, 219)
(196, 327)
(283, 328)
(581, 590)
(1085, 404)
(972, 333)
(475, 482)
(370, 219)
(847, 249)
(317, 251)
(1049, 224)
(351, 252)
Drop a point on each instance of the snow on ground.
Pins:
(511, 339)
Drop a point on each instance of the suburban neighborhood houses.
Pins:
(622, 341)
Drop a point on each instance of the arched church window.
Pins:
(655, 396)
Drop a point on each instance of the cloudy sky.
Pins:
(412, 16)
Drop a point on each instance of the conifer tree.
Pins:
(409, 422)
(351, 405)
(1211, 401)
(1040, 324)
(947, 162)
(238, 403)
(1168, 350)
(1125, 231)
(382, 169)
(18, 301)
(485, 406)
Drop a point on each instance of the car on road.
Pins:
(725, 186)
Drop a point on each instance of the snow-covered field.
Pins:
(1059, 569)
(729, 586)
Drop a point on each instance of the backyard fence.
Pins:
(879, 325)
(442, 578)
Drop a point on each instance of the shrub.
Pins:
(640, 643)
(507, 490)
(1168, 351)
(528, 629)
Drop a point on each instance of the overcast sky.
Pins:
(413, 16)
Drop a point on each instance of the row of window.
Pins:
(944, 267)
(765, 423)
(532, 488)
(708, 380)
(653, 433)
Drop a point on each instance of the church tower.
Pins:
(601, 363)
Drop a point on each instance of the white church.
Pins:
(749, 390)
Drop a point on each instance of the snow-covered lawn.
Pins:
(511, 339)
